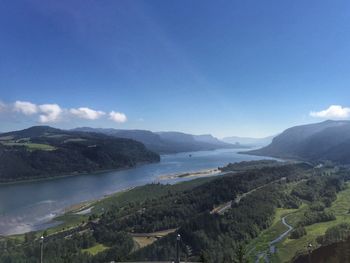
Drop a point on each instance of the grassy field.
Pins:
(30, 146)
(340, 208)
(95, 249)
(146, 239)
(142, 240)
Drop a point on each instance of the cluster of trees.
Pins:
(320, 189)
(298, 232)
(335, 234)
(312, 217)
(62, 250)
(248, 165)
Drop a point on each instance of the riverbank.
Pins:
(48, 178)
(201, 173)
(77, 215)
(86, 208)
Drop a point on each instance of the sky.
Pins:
(246, 68)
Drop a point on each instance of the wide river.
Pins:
(30, 206)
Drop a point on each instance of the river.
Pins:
(31, 206)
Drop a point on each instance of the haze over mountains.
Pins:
(247, 141)
(166, 142)
(328, 140)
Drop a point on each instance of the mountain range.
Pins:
(328, 140)
(165, 142)
(42, 151)
(247, 141)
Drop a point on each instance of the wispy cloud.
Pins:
(25, 107)
(332, 112)
(50, 113)
(87, 113)
(117, 117)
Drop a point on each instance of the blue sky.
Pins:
(248, 68)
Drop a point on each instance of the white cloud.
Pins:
(53, 112)
(333, 112)
(25, 107)
(117, 116)
(50, 113)
(87, 113)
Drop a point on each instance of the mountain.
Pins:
(208, 138)
(247, 141)
(328, 140)
(165, 142)
(42, 151)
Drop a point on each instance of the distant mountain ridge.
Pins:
(165, 142)
(247, 141)
(328, 140)
(43, 151)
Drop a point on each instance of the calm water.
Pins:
(31, 206)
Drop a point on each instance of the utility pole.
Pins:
(177, 260)
(41, 248)
(309, 248)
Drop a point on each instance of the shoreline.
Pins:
(78, 207)
(49, 178)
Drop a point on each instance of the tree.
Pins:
(240, 255)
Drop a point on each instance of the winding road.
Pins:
(272, 246)
(280, 237)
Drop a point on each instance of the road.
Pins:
(224, 208)
(280, 237)
(272, 244)
(221, 209)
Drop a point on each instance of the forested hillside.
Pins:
(42, 151)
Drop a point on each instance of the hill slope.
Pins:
(43, 151)
(329, 140)
(165, 142)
